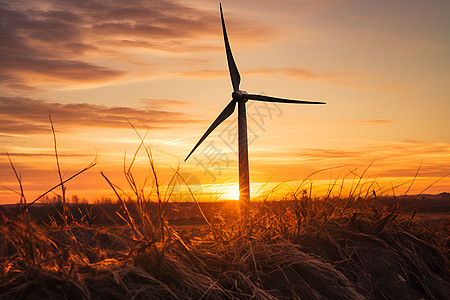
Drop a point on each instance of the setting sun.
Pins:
(163, 68)
(232, 193)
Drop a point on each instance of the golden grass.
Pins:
(334, 247)
(349, 256)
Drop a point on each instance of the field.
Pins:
(358, 244)
(300, 248)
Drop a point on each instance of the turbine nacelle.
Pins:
(239, 96)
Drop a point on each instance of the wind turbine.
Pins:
(240, 97)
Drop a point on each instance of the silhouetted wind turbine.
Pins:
(240, 97)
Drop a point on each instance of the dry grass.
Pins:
(342, 247)
(350, 256)
(330, 248)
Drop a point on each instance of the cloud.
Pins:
(342, 79)
(32, 50)
(411, 150)
(300, 73)
(329, 153)
(60, 42)
(393, 159)
(203, 73)
(10, 127)
(296, 72)
(17, 154)
(15, 83)
(59, 70)
(20, 115)
(292, 72)
(162, 103)
(175, 46)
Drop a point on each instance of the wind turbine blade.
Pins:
(234, 73)
(229, 109)
(278, 100)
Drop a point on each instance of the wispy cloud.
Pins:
(395, 159)
(202, 73)
(60, 42)
(43, 47)
(23, 154)
(403, 150)
(329, 153)
(169, 46)
(30, 116)
(300, 73)
(295, 72)
(162, 103)
(9, 126)
(342, 79)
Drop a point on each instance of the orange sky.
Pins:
(382, 67)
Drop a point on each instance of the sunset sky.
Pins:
(383, 67)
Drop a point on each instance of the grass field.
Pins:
(336, 248)
(361, 245)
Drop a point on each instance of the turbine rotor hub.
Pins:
(239, 96)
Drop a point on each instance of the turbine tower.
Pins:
(240, 97)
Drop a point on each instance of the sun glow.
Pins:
(232, 193)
